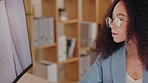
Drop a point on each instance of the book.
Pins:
(71, 43)
(62, 48)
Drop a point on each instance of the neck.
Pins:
(131, 49)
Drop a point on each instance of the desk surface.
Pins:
(28, 78)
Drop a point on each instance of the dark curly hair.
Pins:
(137, 26)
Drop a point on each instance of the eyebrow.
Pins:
(120, 14)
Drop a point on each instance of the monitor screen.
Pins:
(15, 52)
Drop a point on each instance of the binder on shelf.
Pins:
(71, 43)
(51, 38)
(42, 27)
(46, 31)
(47, 70)
(62, 47)
(36, 32)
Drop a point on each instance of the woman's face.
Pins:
(119, 33)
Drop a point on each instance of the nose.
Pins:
(112, 25)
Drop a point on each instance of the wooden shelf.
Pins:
(49, 8)
(102, 8)
(46, 46)
(84, 49)
(87, 22)
(68, 22)
(69, 60)
(72, 8)
(89, 10)
(92, 12)
(28, 9)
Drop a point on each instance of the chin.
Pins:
(118, 41)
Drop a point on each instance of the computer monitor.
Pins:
(15, 52)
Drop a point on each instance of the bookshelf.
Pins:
(29, 18)
(91, 12)
(94, 10)
(71, 29)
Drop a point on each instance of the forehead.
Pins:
(119, 9)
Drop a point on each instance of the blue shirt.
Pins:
(110, 70)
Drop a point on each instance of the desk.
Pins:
(28, 78)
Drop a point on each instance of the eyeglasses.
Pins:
(109, 21)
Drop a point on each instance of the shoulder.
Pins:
(118, 55)
(101, 69)
(95, 73)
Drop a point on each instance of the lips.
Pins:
(114, 33)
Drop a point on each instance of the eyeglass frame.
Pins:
(116, 20)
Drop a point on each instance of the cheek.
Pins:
(121, 36)
(123, 32)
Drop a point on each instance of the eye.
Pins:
(121, 19)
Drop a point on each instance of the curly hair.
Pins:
(137, 26)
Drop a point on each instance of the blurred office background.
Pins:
(62, 34)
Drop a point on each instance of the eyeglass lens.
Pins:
(109, 21)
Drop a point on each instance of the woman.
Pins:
(122, 45)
